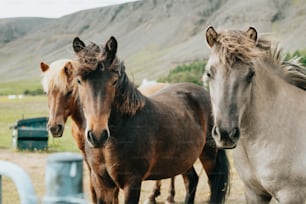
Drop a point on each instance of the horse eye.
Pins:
(250, 76)
(208, 75)
(115, 82)
(78, 81)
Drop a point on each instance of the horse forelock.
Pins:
(90, 58)
(231, 46)
(83, 68)
(55, 77)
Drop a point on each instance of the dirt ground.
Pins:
(34, 164)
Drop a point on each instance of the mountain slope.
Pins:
(14, 28)
(153, 35)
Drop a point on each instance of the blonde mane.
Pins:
(291, 71)
(55, 77)
(235, 45)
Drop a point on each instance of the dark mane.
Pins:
(128, 98)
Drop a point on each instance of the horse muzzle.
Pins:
(226, 139)
(97, 140)
(56, 130)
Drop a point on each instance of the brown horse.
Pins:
(145, 138)
(62, 101)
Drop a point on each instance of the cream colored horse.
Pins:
(259, 108)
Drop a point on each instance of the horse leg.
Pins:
(254, 197)
(116, 195)
(216, 166)
(170, 199)
(154, 194)
(92, 190)
(105, 190)
(108, 195)
(191, 181)
(91, 187)
(132, 191)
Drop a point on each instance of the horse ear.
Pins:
(252, 33)
(44, 67)
(211, 36)
(111, 49)
(78, 45)
(68, 69)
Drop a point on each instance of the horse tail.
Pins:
(220, 178)
(217, 167)
(214, 160)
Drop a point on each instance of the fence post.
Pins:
(0, 189)
(22, 181)
(64, 179)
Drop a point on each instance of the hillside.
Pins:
(14, 28)
(153, 35)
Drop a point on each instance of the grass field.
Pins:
(34, 162)
(19, 87)
(12, 110)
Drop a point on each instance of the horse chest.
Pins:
(268, 168)
(254, 167)
(122, 161)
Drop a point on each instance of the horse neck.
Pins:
(263, 103)
(77, 115)
(271, 97)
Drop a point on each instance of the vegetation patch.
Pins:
(31, 87)
(300, 54)
(186, 73)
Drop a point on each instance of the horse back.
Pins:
(170, 129)
(189, 108)
(188, 96)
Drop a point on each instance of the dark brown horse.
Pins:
(63, 103)
(144, 138)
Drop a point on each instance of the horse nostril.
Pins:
(56, 129)
(214, 131)
(59, 128)
(91, 137)
(104, 135)
(97, 142)
(235, 133)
